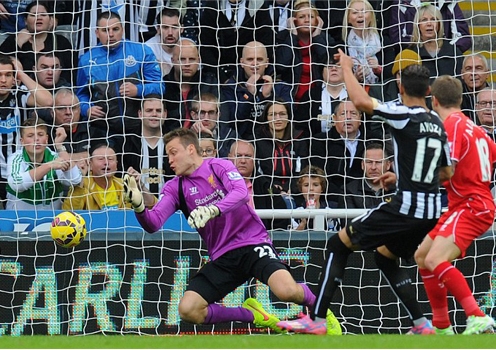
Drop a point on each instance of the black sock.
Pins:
(331, 275)
(401, 284)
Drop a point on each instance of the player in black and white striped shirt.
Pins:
(396, 228)
(14, 103)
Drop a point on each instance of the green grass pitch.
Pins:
(285, 341)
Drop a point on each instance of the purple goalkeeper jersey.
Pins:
(237, 226)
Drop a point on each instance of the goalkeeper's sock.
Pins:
(308, 296)
(456, 284)
(331, 275)
(401, 284)
(217, 313)
(437, 295)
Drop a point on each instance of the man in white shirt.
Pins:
(168, 32)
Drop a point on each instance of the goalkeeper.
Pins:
(213, 196)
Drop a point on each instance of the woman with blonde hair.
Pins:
(436, 52)
(362, 40)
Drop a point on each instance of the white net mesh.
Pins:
(217, 80)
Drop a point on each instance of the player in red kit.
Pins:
(470, 212)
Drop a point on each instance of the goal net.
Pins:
(229, 72)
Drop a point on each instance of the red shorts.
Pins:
(465, 222)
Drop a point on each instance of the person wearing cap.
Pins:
(390, 91)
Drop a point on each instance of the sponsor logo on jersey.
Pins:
(234, 175)
(193, 190)
(211, 181)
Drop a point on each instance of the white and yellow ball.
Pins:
(68, 229)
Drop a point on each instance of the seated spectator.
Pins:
(244, 94)
(184, 82)
(300, 47)
(332, 13)
(262, 195)
(270, 19)
(168, 32)
(486, 111)
(208, 146)
(403, 13)
(366, 193)
(47, 72)
(312, 185)
(339, 150)
(139, 17)
(475, 77)
(281, 151)
(225, 26)
(113, 78)
(486, 115)
(101, 189)
(322, 99)
(39, 36)
(390, 90)
(144, 151)
(66, 113)
(438, 54)
(362, 40)
(14, 103)
(36, 175)
(205, 113)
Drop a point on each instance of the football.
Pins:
(68, 229)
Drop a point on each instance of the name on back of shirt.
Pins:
(430, 127)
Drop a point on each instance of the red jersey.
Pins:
(474, 153)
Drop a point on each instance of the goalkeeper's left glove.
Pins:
(132, 193)
(199, 217)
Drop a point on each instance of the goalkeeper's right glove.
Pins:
(132, 194)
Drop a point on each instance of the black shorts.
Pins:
(399, 233)
(218, 278)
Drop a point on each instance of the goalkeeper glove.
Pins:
(199, 217)
(132, 194)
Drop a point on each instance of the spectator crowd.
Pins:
(86, 96)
